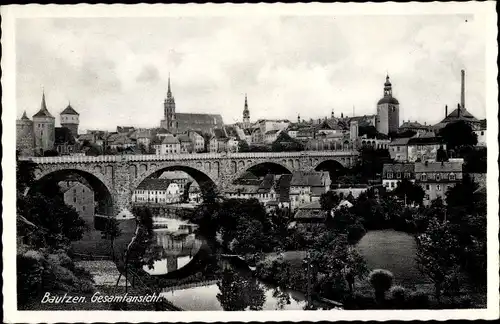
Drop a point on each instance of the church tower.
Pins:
(169, 122)
(387, 111)
(44, 128)
(70, 119)
(246, 115)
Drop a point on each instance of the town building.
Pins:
(437, 177)
(70, 119)
(166, 145)
(81, 197)
(157, 191)
(387, 111)
(393, 173)
(309, 215)
(398, 149)
(194, 193)
(377, 142)
(424, 148)
(198, 140)
(182, 122)
(186, 145)
(306, 187)
(120, 141)
(481, 133)
(413, 126)
(181, 178)
(44, 129)
(218, 141)
(24, 136)
(271, 136)
(65, 142)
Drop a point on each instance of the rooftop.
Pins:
(154, 184)
(398, 167)
(69, 111)
(438, 166)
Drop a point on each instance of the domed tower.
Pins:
(44, 125)
(70, 119)
(169, 122)
(24, 136)
(246, 114)
(387, 110)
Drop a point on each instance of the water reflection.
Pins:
(172, 251)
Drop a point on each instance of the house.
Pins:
(198, 140)
(179, 177)
(437, 177)
(157, 191)
(413, 126)
(306, 187)
(218, 141)
(120, 141)
(481, 133)
(271, 136)
(80, 197)
(65, 142)
(186, 145)
(398, 149)
(167, 145)
(424, 148)
(143, 138)
(194, 193)
(394, 173)
(310, 215)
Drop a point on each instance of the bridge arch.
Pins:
(270, 164)
(103, 192)
(204, 180)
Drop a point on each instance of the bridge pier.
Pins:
(122, 192)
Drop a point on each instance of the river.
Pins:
(195, 278)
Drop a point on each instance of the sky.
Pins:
(114, 71)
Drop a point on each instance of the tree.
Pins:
(329, 200)
(243, 146)
(458, 134)
(381, 281)
(409, 192)
(436, 253)
(237, 293)
(111, 231)
(355, 268)
(284, 143)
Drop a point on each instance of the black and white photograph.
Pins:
(250, 162)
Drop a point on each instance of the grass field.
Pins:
(393, 251)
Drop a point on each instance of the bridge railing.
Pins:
(176, 157)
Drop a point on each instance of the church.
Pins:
(182, 122)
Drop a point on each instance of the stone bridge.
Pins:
(114, 177)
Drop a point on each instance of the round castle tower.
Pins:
(24, 136)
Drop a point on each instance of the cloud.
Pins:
(118, 67)
(149, 74)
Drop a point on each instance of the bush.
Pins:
(355, 233)
(381, 281)
(418, 300)
(398, 297)
(359, 301)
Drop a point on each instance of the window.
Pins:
(389, 175)
(452, 176)
(438, 187)
(83, 208)
(426, 197)
(424, 177)
(407, 175)
(392, 184)
(399, 148)
(482, 133)
(438, 177)
(398, 175)
(74, 199)
(427, 187)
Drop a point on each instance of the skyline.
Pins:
(118, 67)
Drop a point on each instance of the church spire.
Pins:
(169, 91)
(387, 87)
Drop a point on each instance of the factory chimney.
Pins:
(462, 93)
